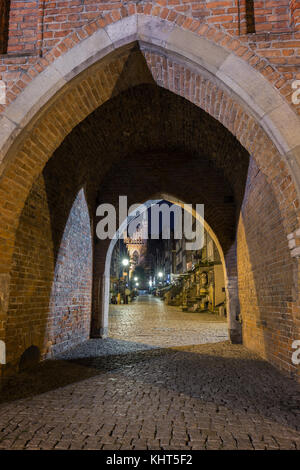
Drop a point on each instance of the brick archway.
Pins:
(195, 67)
(90, 73)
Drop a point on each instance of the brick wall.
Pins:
(50, 28)
(236, 16)
(267, 287)
(23, 26)
(295, 14)
(50, 292)
(31, 277)
(262, 16)
(69, 316)
(34, 20)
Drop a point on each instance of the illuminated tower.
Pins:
(137, 245)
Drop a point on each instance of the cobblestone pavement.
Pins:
(123, 394)
(150, 321)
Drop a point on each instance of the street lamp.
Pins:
(160, 274)
(135, 279)
(125, 264)
(136, 284)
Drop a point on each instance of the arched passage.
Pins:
(205, 76)
(101, 317)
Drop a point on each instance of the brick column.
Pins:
(232, 296)
(4, 296)
(99, 322)
(295, 14)
(233, 310)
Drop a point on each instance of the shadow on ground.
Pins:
(220, 373)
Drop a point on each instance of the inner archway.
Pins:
(174, 165)
(151, 302)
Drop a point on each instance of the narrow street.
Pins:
(164, 379)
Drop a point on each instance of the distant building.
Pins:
(187, 259)
(136, 246)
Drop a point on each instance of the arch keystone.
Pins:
(126, 34)
(154, 31)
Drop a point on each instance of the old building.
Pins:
(179, 272)
(185, 259)
(199, 284)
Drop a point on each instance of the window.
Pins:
(4, 20)
(250, 18)
(246, 16)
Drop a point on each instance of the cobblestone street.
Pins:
(149, 321)
(164, 379)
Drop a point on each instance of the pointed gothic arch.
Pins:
(199, 69)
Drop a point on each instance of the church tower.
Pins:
(137, 245)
